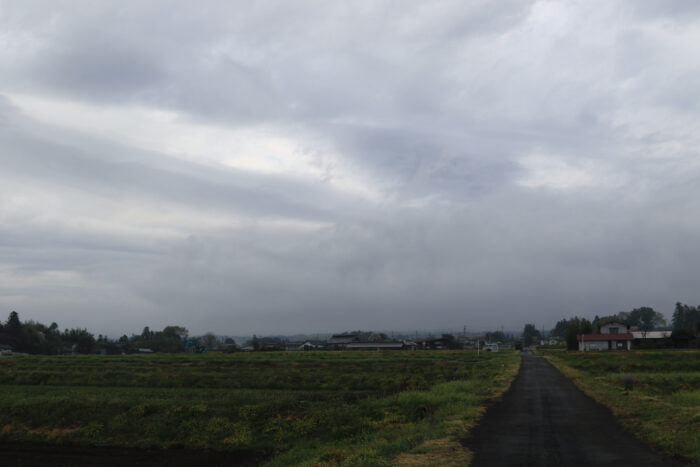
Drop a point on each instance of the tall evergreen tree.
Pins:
(13, 325)
(685, 317)
(577, 326)
(530, 334)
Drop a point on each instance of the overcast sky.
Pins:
(315, 166)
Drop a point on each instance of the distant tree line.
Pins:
(686, 317)
(498, 336)
(446, 340)
(37, 338)
(530, 335)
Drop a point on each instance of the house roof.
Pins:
(605, 337)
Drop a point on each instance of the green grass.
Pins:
(654, 393)
(301, 408)
(328, 371)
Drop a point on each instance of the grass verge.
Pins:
(445, 448)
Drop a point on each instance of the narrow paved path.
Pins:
(544, 420)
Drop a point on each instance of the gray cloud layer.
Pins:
(306, 166)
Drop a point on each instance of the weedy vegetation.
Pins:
(655, 394)
(296, 408)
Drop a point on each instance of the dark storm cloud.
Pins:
(419, 165)
(396, 270)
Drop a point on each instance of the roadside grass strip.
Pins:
(457, 425)
(654, 394)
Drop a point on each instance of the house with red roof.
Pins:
(612, 336)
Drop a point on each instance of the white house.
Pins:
(613, 336)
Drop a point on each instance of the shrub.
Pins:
(628, 383)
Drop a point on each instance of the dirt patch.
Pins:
(442, 452)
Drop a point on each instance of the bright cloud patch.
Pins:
(550, 172)
(258, 149)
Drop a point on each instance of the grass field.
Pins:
(655, 394)
(296, 408)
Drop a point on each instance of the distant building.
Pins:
(613, 336)
(651, 339)
(340, 341)
(396, 345)
(435, 343)
(651, 334)
(306, 345)
(228, 348)
(270, 343)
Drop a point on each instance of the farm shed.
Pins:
(306, 345)
(647, 339)
(339, 341)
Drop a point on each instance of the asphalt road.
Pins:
(544, 420)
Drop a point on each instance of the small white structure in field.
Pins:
(651, 334)
(491, 347)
